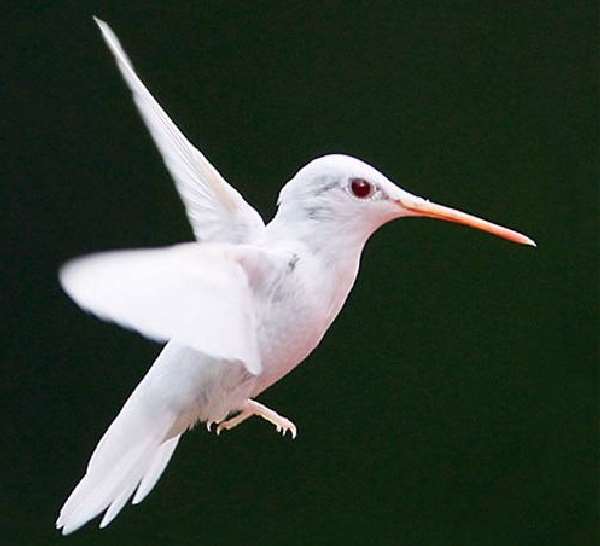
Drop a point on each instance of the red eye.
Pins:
(361, 188)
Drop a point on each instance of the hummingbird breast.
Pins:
(296, 303)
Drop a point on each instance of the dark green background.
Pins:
(454, 401)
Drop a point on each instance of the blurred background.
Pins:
(454, 401)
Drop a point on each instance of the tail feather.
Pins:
(182, 386)
(156, 468)
(123, 460)
(118, 504)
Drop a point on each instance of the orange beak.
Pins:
(415, 206)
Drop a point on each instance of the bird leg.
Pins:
(251, 408)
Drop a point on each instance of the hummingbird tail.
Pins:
(128, 460)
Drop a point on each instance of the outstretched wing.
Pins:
(195, 294)
(216, 211)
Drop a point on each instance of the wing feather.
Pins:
(195, 294)
(216, 211)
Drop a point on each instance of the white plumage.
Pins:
(238, 309)
(217, 212)
(196, 294)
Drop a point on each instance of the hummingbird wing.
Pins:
(197, 295)
(216, 211)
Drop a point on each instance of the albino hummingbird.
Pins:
(238, 309)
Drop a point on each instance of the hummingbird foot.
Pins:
(250, 408)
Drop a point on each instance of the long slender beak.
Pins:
(416, 206)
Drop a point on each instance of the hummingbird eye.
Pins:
(361, 188)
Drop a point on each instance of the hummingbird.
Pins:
(237, 309)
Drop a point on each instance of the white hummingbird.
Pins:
(238, 309)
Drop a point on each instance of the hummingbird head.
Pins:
(347, 195)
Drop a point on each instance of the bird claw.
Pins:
(286, 426)
(221, 425)
(228, 424)
(282, 424)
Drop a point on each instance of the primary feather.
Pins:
(217, 212)
(195, 294)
